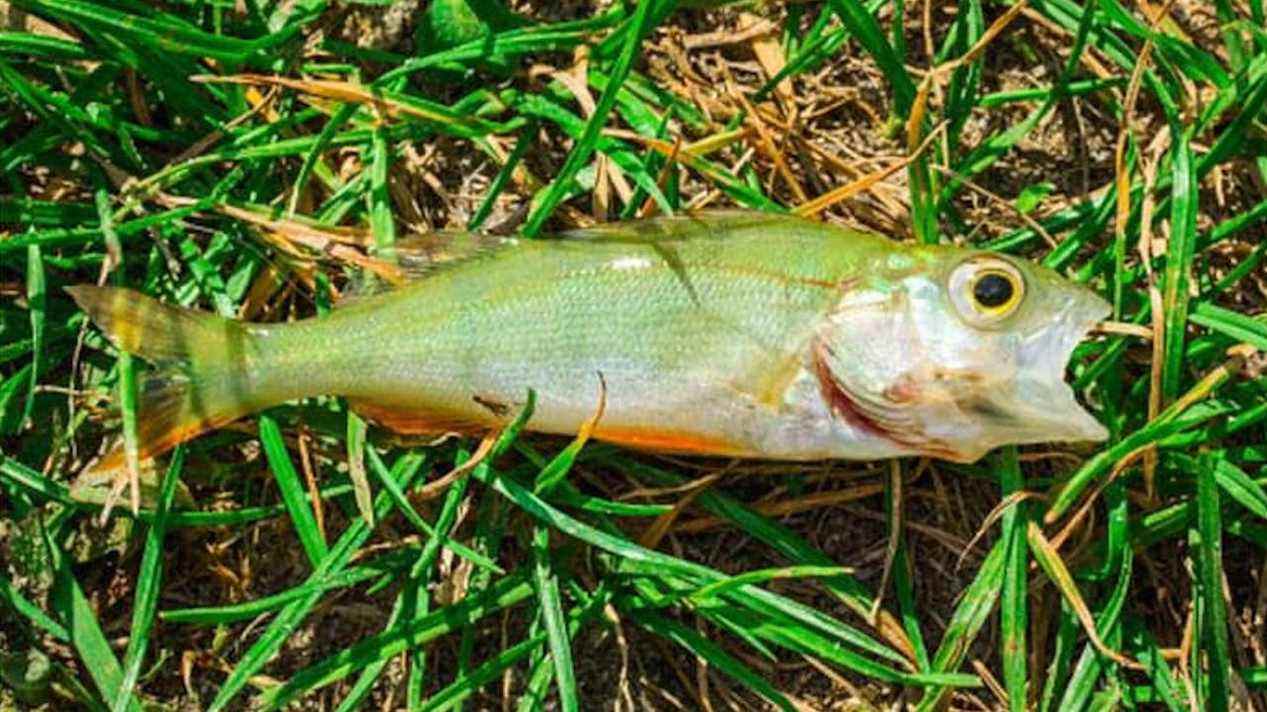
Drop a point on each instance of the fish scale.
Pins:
(552, 319)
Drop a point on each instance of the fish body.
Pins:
(732, 334)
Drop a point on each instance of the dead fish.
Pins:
(732, 334)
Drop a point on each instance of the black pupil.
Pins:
(992, 290)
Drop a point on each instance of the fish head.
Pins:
(949, 353)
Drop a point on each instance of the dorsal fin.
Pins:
(422, 254)
(714, 224)
(664, 232)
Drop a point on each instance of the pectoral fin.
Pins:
(769, 387)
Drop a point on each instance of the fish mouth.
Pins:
(1042, 407)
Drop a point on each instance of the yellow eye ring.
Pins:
(985, 290)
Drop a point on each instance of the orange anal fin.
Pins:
(419, 422)
(670, 441)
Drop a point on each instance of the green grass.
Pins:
(122, 151)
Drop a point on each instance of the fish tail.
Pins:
(203, 380)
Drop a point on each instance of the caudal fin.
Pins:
(202, 381)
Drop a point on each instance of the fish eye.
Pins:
(994, 290)
(986, 290)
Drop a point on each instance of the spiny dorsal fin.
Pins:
(662, 233)
(715, 224)
(422, 254)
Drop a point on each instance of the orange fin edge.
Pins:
(669, 441)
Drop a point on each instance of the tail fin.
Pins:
(202, 382)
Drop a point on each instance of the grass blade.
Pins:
(293, 492)
(507, 592)
(36, 296)
(86, 636)
(1207, 542)
(1014, 619)
(549, 197)
(145, 602)
(975, 604)
(546, 584)
(267, 645)
(1179, 256)
(706, 650)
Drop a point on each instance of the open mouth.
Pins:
(1042, 403)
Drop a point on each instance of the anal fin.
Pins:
(410, 421)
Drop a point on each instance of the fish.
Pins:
(728, 334)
